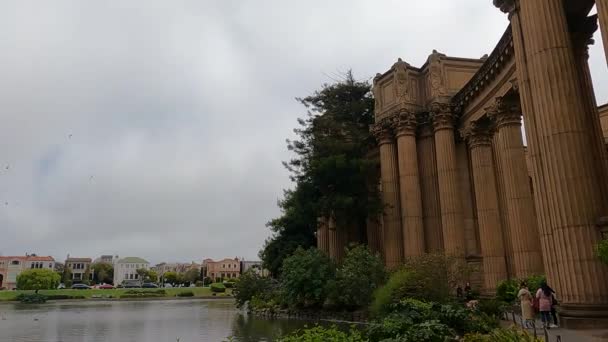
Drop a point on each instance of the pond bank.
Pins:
(312, 315)
(118, 294)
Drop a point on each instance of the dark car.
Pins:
(149, 286)
(80, 287)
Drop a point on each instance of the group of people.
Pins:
(543, 301)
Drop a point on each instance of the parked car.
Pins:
(106, 287)
(149, 286)
(131, 284)
(80, 287)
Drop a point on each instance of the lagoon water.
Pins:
(137, 321)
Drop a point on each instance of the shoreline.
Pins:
(148, 299)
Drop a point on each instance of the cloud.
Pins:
(157, 129)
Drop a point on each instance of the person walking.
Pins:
(545, 302)
(525, 300)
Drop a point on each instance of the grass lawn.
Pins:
(115, 293)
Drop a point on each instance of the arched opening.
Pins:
(1, 280)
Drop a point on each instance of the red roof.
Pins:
(28, 258)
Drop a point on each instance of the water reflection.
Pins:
(137, 321)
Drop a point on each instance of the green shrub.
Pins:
(359, 275)
(507, 290)
(601, 251)
(250, 285)
(38, 279)
(321, 334)
(62, 297)
(306, 278)
(31, 298)
(199, 283)
(391, 292)
(512, 334)
(186, 294)
(228, 284)
(491, 307)
(218, 288)
(151, 291)
(534, 282)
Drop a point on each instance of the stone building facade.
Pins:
(222, 269)
(79, 267)
(455, 176)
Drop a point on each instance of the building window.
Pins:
(15, 262)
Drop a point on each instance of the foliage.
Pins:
(390, 293)
(186, 294)
(305, 278)
(359, 275)
(103, 272)
(86, 276)
(415, 320)
(192, 275)
(31, 298)
(218, 288)
(512, 334)
(37, 279)
(228, 284)
(534, 282)
(250, 284)
(322, 334)
(601, 251)
(152, 276)
(199, 283)
(66, 277)
(331, 169)
(171, 277)
(207, 281)
(491, 307)
(62, 297)
(507, 290)
(144, 293)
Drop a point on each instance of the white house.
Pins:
(126, 269)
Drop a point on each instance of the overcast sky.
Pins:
(157, 128)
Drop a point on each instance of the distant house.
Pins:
(256, 266)
(223, 269)
(12, 266)
(79, 267)
(108, 259)
(164, 267)
(126, 269)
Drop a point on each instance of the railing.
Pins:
(510, 315)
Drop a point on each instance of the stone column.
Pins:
(535, 155)
(452, 219)
(479, 138)
(332, 238)
(409, 183)
(389, 175)
(602, 12)
(572, 177)
(374, 236)
(322, 235)
(431, 207)
(502, 204)
(522, 222)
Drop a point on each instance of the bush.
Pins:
(62, 297)
(306, 278)
(199, 283)
(250, 285)
(359, 275)
(507, 290)
(321, 334)
(601, 251)
(218, 288)
(395, 289)
(207, 281)
(186, 294)
(38, 279)
(31, 298)
(512, 334)
(228, 284)
(491, 307)
(534, 283)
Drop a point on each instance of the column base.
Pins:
(583, 316)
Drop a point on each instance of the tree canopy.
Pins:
(331, 169)
(38, 279)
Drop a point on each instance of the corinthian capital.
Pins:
(405, 123)
(442, 116)
(478, 133)
(383, 130)
(505, 112)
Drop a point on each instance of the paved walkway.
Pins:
(560, 334)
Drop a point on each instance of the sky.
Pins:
(157, 128)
